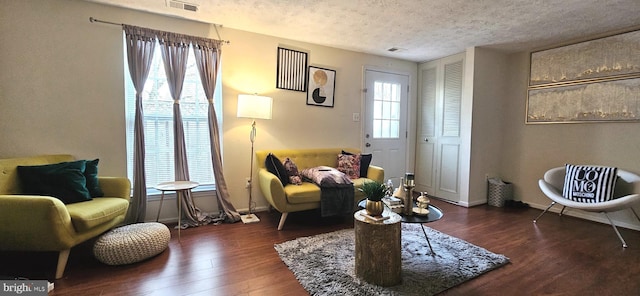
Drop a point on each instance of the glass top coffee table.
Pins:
(435, 214)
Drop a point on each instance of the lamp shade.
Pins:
(254, 107)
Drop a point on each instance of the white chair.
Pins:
(626, 196)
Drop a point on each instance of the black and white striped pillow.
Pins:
(589, 184)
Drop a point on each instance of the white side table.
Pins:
(178, 187)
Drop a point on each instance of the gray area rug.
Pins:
(324, 263)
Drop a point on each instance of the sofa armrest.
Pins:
(272, 190)
(35, 223)
(376, 173)
(115, 187)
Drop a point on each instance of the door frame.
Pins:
(411, 117)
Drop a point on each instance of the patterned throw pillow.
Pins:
(365, 161)
(292, 171)
(589, 184)
(349, 165)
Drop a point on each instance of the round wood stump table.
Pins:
(378, 256)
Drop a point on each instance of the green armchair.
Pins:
(44, 223)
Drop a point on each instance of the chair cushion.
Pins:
(303, 193)
(589, 184)
(87, 215)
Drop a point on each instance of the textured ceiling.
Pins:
(422, 29)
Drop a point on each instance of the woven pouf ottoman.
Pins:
(132, 243)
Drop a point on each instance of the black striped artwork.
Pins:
(291, 72)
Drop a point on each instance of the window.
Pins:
(386, 110)
(157, 106)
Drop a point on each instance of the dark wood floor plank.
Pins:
(556, 256)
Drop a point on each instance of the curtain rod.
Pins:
(95, 20)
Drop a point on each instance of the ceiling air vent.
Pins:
(182, 5)
(396, 49)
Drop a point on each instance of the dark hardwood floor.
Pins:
(556, 256)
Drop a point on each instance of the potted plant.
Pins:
(374, 191)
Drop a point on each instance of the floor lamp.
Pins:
(254, 107)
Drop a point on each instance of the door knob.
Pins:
(367, 145)
(426, 139)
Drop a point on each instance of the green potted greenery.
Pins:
(374, 191)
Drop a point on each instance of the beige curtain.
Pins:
(175, 50)
(140, 46)
(207, 53)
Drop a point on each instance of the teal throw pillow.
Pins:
(65, 181)
(91, 174)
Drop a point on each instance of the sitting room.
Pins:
(434, 97)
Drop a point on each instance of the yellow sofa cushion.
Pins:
(87, 215)
(306, 192)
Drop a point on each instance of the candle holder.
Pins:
(409, 184)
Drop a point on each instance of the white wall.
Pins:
(530, 150)
(62, 90)
(489, 95)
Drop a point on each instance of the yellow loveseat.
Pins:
(294, 198)
(44, 223)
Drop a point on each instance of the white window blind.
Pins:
(157, 106)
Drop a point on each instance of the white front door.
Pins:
(385, 121)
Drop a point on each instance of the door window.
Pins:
(386, 110)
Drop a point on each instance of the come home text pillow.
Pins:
(589, 184)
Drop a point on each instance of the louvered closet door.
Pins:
(426, 141)
(438, 143)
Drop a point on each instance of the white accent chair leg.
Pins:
(562, 211)
(636, 214)
(282, 219)
(624, 244)
(63, 256)
(545, 210)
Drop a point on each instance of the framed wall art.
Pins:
(291, 72)
(612, 100)
(321, 87)
(592, 81)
